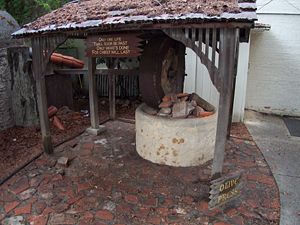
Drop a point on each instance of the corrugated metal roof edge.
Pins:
(246, 16)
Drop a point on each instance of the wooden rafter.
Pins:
(204, 42)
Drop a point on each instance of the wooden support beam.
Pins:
(94, 114)
(228, 42)
(111, 64)
(42, 48)
(236, 61)
(112, 96)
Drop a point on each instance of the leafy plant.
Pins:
(25, 11)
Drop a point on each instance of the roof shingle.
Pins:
(93, 13)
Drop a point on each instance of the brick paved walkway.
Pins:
(108, 183)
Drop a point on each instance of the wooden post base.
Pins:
(47, 144)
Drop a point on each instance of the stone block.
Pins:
(96, 131)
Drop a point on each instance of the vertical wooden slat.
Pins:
(193, 35)
(207, 43)
(186, 33)
(213, 57)
(214, 46)
(94, 114)
(200, 31)
(226, 67)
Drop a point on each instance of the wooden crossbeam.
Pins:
(195, 42)
(117, 72)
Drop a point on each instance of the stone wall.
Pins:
(6, 114)
(18, 105)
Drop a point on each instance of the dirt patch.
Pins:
(18, 145)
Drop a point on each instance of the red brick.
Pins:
(57, 177)
(39, 207)
(88, 145)
(38, 220)
(10, 206)
(261, 178)
(222, 223)
(203, 205)
(154, 220)
(231, 212)
(60, 207)
(6, 196)
(124, 208)
(238, 220)
(47, 211)
(131, 199)
(20, 186)
(143, 212)
(151, 202)
(275, 204)
(26, 209)
(83, 186)
(188, 200)
(252, 203)
(104, 215)
(88, 216)
(163, 211)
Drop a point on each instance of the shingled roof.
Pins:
(85, 14)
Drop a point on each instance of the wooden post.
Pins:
(236, 61)
(42, 48)
(94, 114)
(111, 64)
(112, 96)
(228, 43)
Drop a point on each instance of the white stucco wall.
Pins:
(274, 66)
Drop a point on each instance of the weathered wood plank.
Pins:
(207, 34)
(94, 114)
(213, 57)
(226, 68)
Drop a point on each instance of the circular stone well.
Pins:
(175, 142)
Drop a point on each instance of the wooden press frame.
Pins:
(220, 41)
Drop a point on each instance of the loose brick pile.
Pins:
(108, 183)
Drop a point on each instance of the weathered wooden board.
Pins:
(113, 45)
(225, 189)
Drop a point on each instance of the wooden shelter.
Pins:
(211, 28)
